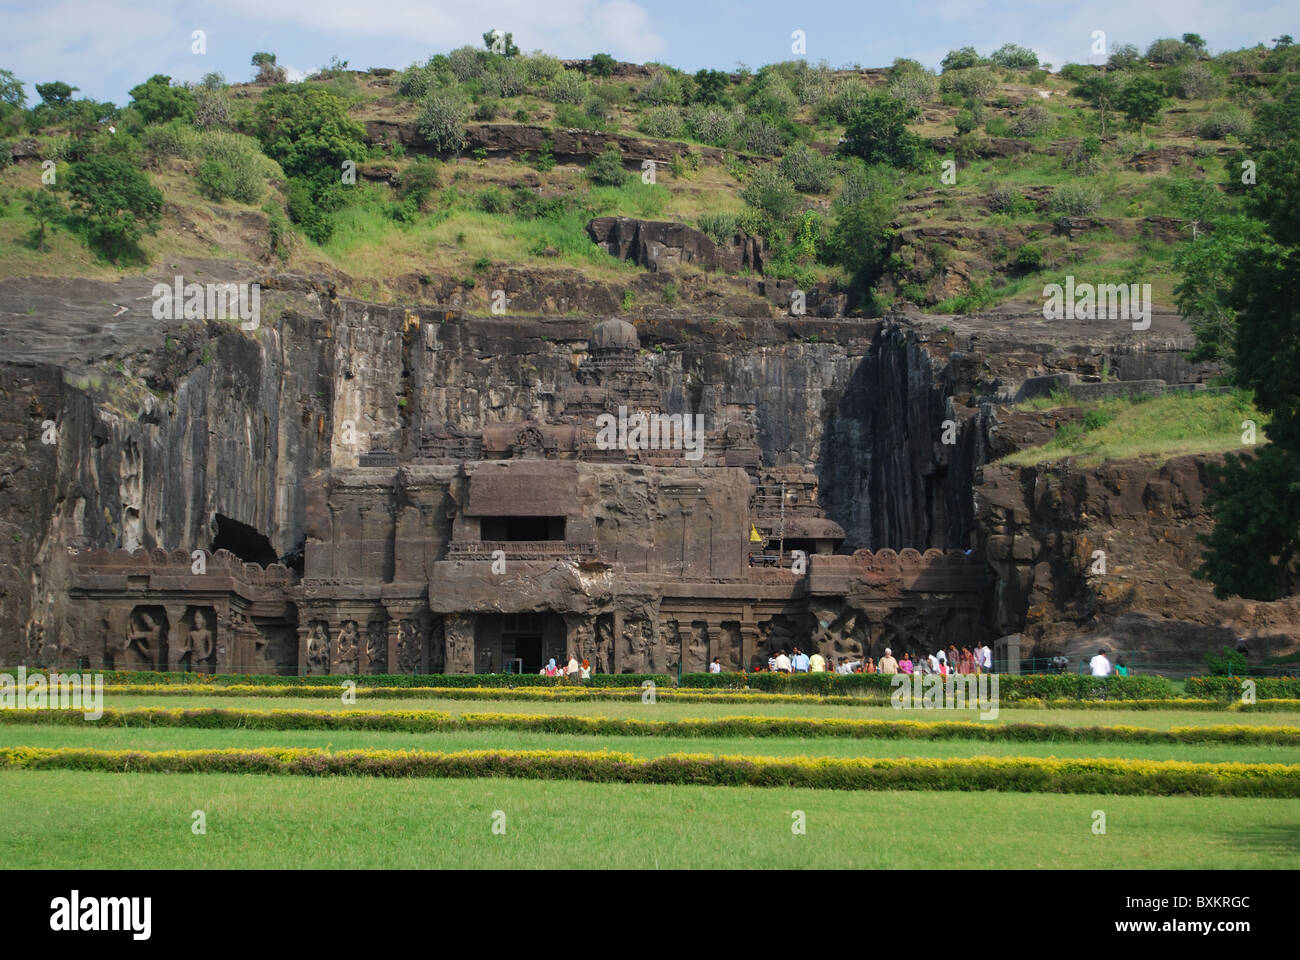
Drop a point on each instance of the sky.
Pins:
(105, 47)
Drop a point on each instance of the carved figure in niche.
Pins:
(638, 646)
(318, 650)
(697, 651)
(377, 646)
(349, 647)
(200, 641)
(605, 645)
(146, 636)
(408, 646)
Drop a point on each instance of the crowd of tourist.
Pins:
(941, 662)
(572, 671)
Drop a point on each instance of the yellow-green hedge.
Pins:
(425, 721)
(1022, 774)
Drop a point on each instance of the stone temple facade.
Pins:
(605, 528)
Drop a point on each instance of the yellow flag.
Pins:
(754, 536)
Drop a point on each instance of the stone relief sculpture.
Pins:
(377, 646)
(318, 649)
(197, 646)
(349, 648)
(146, 636)
(409, 638)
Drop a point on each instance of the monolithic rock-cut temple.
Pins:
(491, 550)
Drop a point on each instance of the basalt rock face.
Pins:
(658, 246)
(186, 435)
(1102, 557)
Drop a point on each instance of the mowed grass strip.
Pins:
(1019, 774)
(194, 738)
(666, 710)
(425, 721)
(363, 823)
(666, 695)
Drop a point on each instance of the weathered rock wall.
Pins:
(1103, 556)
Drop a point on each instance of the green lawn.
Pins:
(171, 738)
(112, 821)
(666, 710)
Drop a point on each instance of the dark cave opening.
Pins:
(243, 541)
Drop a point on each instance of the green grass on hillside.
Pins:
(1167, 426)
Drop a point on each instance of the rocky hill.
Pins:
(880, 324)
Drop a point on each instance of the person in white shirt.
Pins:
(715, 666)
(573, 667)
(782, 664)
(1099, 665)
(986, 659)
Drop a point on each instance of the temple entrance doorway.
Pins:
(521, 641)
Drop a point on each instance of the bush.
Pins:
(175, 139)
(115, 204)
(308, 131)
(540, 67)
(417, 81)
(1228, 663)
(663, 122)
(568, 87)
(877, 133)
(977, 82)
(1013, 57)
(759, 136)
(1076, 199)
(1085, 159)
(1019, 774)
(961, 59)
(233, 166)
(771, 97)
(769, 192)
(508, 79)
(1033, 119)
(468, 63)
(812, 85)
(602, 65)
(718, 227)
(1226, 122)
(1230, 689)
(662, 88)
(1007, 200)
(606, 169)
(1124, 57)
(712, 125)
(1197, 82)
(915, 88)
(1029, 258)
(1169, 50)
(807, 169)
(441, 122)
(846, 98)
(211, 105)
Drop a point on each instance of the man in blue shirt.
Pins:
(799, 662)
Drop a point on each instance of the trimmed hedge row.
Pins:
(578, 694)
(1010, 686)
(1229, 688)
(426, 721)
(158, 678)
(1021, 774)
